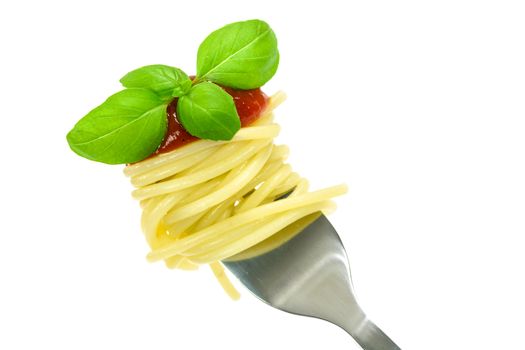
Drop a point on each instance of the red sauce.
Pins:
(176, 135)
(249, 104)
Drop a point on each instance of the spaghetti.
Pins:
(209, 200)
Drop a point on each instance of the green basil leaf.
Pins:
(241, 55)
(126, 128)
(164, 80)
(208, 112)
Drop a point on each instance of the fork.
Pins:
(304, 270)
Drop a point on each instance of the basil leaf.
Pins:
(164, 80)
(241, 55)
(126, 128)
(208, 112)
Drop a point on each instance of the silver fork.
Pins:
(304, 270)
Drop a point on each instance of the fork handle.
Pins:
(371, 337)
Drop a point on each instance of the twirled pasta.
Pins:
(209, 200)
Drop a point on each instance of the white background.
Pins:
(417, 105)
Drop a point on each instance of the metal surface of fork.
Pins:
(304, 270)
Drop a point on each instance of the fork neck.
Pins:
(368, 335)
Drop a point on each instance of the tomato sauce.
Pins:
(249, 105)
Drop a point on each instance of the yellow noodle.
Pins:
(218, 271)
(256, 235)
(243, 176)
(199, 177)
(171, 169)
(235, 221)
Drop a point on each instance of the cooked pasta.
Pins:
(209, 200)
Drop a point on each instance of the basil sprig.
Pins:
(131, 124)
